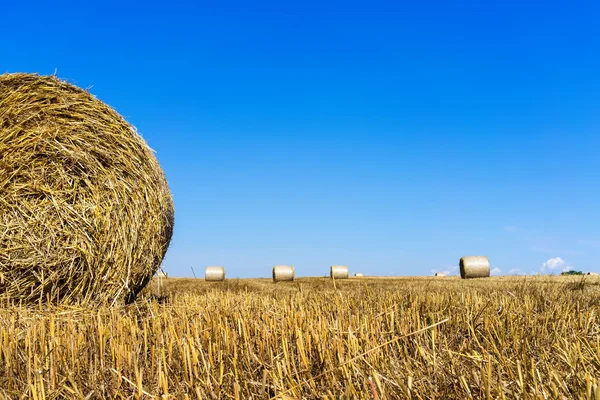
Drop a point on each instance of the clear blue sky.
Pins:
(394, 137)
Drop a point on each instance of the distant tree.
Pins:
(572, 273)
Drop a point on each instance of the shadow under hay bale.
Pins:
(86, 214)
(474, 267)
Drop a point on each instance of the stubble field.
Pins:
(361, 338)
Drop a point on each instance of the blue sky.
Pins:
(394, 137)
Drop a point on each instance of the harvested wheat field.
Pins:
(314, 338)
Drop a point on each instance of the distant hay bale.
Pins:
(440, 274)
(358, 274)
(474, 267)
(338, 272)
(86, 214)
(593, 274)
(283, 273)
(214, 274)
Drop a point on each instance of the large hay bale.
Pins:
(283, 273)
(85, 210)
(474, 267)
(214, 274)
(338, 272)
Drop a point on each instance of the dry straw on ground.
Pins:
(385, 338)
(474, 267)
(214, 274)
(338, 272)
(283, 273)
(85, 210)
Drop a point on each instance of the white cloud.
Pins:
(495, 271)
(555, 263)
(446, 270)
(517, 271)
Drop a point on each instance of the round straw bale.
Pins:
(440, 274)
(338, 272)
(86, 214)
(214, 274)
(283, 273)
(474, 267)
(358, 274)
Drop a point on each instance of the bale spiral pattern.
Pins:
(85, 211)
